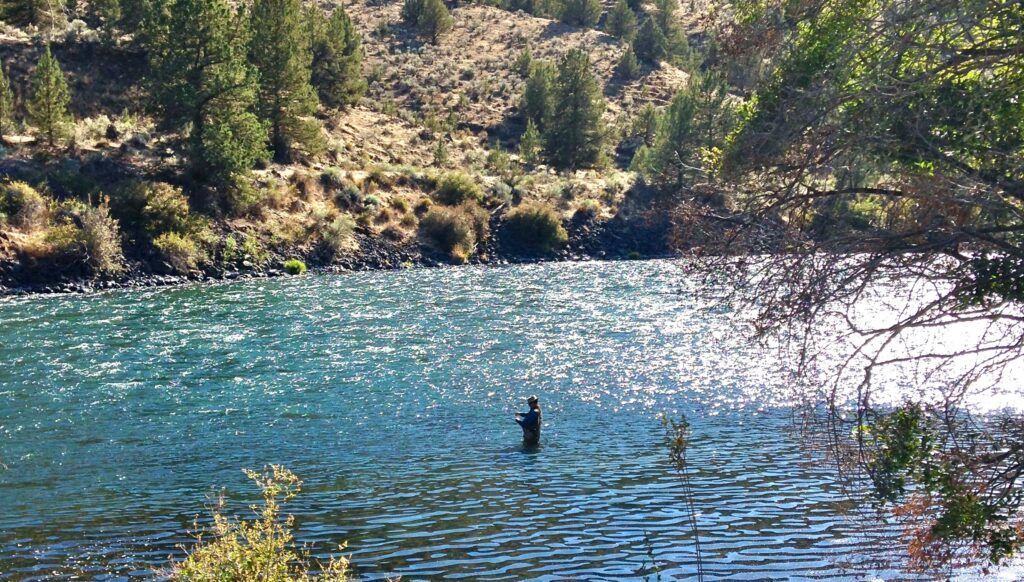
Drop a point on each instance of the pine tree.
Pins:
(537, 95)
(575, 136)
(583, 13)
(670, 160)
(531, 144)
(621, 22)
(649, 44)
(666, 15)
(6, 104)
(286, 99)
(337, 60)
(204, 87)
(411, 12)
(48, 101)
(524, 62)
(628, 67)
(434, 20)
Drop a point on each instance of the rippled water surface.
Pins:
(391, 395)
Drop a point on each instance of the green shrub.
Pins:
(24, 206)
(589, 208)
(229, 254)
(456, 188)
(535, 226)
(338, 235)
(180, 251)
(166, 209)
(455, 231)
(259, 549)
(634, 256)
(294, 267)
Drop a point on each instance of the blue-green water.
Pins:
(391, 395)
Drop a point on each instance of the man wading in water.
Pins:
(530, 422)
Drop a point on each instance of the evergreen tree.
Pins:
(645, 126)
(537, 95)
(672, 158)
(204, 87)
(524, 62)
(411, 12)
(649, 44)
(575, 136)
(434, 20)
(337, 60)
(6, 104)
(666, 15)
(48, 102)
(105, 14)
(621, 22)
(628, 67)
(286, 99)
(135, 14)
(531, 144)
(583, 13)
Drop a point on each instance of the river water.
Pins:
(391, 395)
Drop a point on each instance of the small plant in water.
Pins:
(678, 440)
(258, 549)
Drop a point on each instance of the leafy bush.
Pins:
(294, 267)
(457, 188)
(455, 231)
(260, 549)
(535, 226)
(25, 207)
(180, 251)
(166, 209)
(589, 208)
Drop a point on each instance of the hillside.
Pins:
(427, 109)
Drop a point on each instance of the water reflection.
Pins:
(388, 393)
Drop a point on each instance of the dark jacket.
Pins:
(531, 426)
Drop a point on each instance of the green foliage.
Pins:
(695, 123)
(104, 14)
(645, 125)
(621, 21)
(456, 188)
(535, 226)
(6, 104)
(583, 13)
(203, 87)
(538, 95)
(166, 209)
(23, 205)
(411, 12)
(524, 61)
(433, 20)
(455, 230)
(337, 59)
(259, 549)
(49, 99)
(294, 267)
(628, 67)
(181, 251)
(531, 145)
(994, 277)
(575, 137)
(961, 481)
(650, 43)
(285, 99)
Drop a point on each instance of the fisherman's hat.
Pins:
(531, 399)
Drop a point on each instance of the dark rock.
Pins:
(112, 132)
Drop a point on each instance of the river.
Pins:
(391, 395)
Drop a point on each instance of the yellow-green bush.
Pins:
(456, 188)
(536, 226)
(338, 235)
(101, 240)
(24, 207)
(181, 251)
(455, 230)
(166, 209)
(258, 549)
